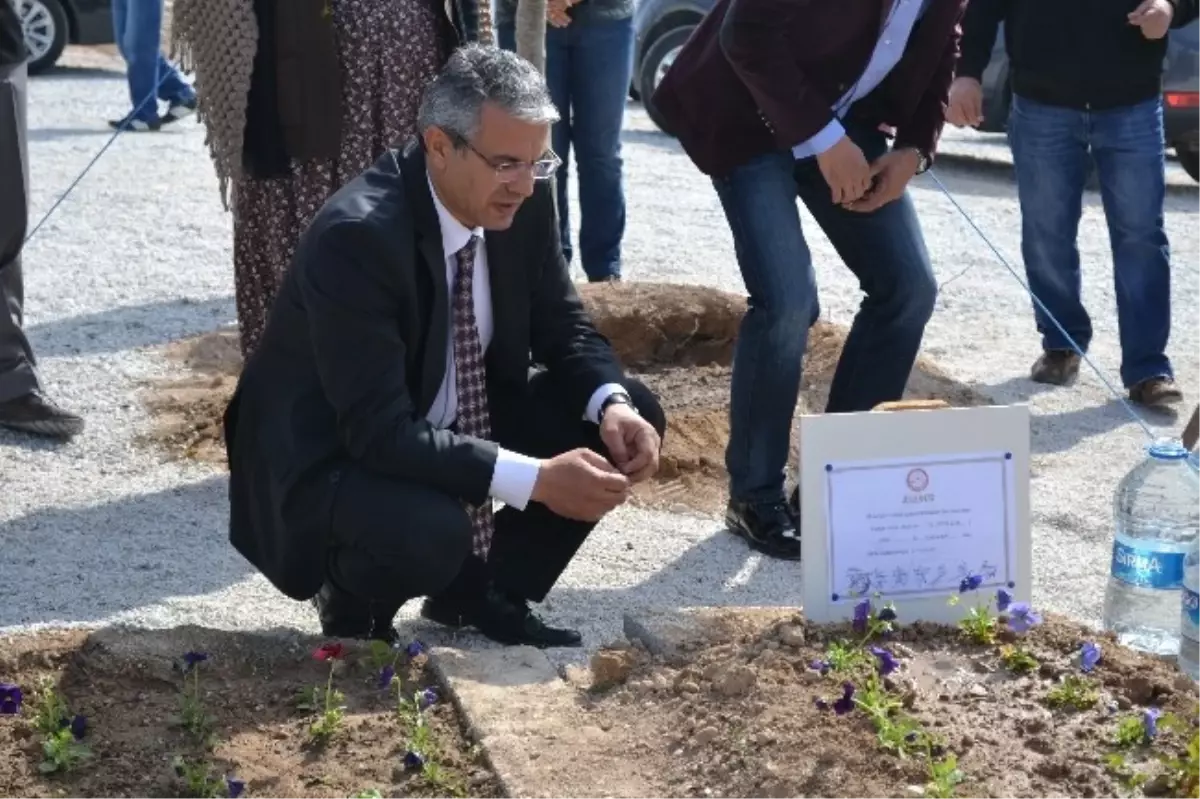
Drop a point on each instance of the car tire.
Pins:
(1190, 161)
(47, 19)
(663, 50)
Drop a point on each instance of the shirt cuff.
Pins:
(513, 478)
(828, 136)
(592, 414)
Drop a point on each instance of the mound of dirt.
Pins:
(740, 711)
(129, 686)
(679, 340)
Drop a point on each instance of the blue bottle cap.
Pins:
(1167, 449)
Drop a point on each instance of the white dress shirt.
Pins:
(889, 49)
(515, 474)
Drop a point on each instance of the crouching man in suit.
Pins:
(393, 396)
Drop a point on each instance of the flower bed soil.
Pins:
(735, 713)
(128, 685)
(677, 339)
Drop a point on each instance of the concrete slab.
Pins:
(536, 735)
(670, 633)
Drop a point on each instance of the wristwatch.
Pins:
(616, 398)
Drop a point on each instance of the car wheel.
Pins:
(44, 23)
(1190, 161)
(657, 61)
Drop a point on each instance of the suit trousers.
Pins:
(18, 375)
(393, 541)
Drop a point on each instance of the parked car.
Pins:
(660, 29)
(662, 26)
(50, 25)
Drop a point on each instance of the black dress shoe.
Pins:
(504, 619)
(34, 413)
(345, 616)
(768, 527)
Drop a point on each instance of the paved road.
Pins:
(100, 530)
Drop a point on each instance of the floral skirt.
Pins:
(389, 51)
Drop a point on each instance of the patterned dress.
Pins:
(389, 50)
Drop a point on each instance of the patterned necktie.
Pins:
(471, 381)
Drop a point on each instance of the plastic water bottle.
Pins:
(1189, 619)
(1157, 515)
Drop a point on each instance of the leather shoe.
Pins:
(502, 618)
(768, 527)
(35, 413)
(343, 615)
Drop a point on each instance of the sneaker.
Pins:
(1157, 392)
(135, 125)
(34, 413)
(179, 109)
(769, 527)
(1056, 367)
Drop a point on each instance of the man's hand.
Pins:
(580, 485)
(556, 12)
(966, 103)
(892, 172)
(845, 170)
(632, 441)
(1153, 17)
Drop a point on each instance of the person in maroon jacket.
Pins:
(775, 99)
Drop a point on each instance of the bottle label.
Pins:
(1147, 568)
(1191, 607)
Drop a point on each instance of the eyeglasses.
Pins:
(509, 171)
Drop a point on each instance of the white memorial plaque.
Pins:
(908, 503)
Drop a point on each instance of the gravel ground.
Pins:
(99, 530)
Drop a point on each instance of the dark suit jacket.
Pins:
(354, 352)
(762, 75)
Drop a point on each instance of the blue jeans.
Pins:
(886, 252)
(137, 27)
(1053, 149)
(588, 68)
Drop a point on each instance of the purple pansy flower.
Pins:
(413, 760)
(1003, 599)
(1022, 618)
(970, 583)
(862, 613)
(386, 675)
(887, 661)
(193, 659)
(1089, 656)
(234, 787)
(1150, 722)
(10, 699)
(78, 726)
(414, 648)
(428, 698)
(846, 703)
(822, 666)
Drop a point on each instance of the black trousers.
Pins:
(394, 541)
(18, 374)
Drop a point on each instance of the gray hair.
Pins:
(475, 75)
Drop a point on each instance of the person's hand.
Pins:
(580, 485)
(632, 441)
(845, 170)
(891, 172)
(556, 12)
(965, 108)
(1153, 17)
